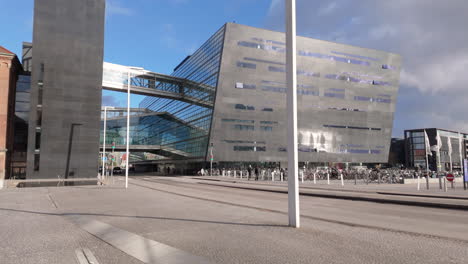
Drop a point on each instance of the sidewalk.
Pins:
(383, 193)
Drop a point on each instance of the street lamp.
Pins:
(128, 122)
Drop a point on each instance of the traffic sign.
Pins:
(450, 177)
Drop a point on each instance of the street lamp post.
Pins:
(104, 145)
(128, 131)
(128, 122)
(291, 104)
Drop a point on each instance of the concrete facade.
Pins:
(66, 88)
(346, 100)
(10, 67)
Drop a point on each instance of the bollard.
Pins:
(379, 177)
(281, 175)
(342, 180)
(235, 174)
(241, 174)
(440, 181)
(427, 181)
(272, 176)
(302, 176)
(315, 178)
(328, 178)
(445, 184)
(223, 173)
(419, 182)
(452, 183)
(355, 178)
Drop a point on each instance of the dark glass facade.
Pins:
(20, 145)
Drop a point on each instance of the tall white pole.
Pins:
(460, 152)
(291, 105)
(104, 144)
(128, 131)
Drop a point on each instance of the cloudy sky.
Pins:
(430, 35)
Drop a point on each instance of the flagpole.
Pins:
(439, 146)
(426, 142)
(450, 151)
(460, 151)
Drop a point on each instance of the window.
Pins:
(246, 65)
(334, 126)
(353, 127)
(240, 85)
(266, 128)
(38, 140)
(237, 120)
(383, 100)
(355, 56)
(36, 161)
(381, 83)
(244, 142)
(266, 109)
(243, 148)
(336, 89)
(359, 128)
(276, 69)
(307, 73)
(264, 61)
(274, 89)
(388, 67)
(269, 41)
(244, 107)
(419, 146)
(362, 98)
(249, 148)
(333, 58)
(39, 116)
(306, 149)
(335, 95)
(267, 47)
(244, 127)
(269, 122)
(417, 134)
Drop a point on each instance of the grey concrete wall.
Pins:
(68, 39)
(315, 113)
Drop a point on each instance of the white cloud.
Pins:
(327, 9)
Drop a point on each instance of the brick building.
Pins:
(10, 68)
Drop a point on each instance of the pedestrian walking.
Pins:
(249, 170)
(256, 173)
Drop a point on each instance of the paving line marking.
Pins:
(392, 230)
(141, 248)
(85, 256)
(52, 200)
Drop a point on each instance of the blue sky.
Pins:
(431, 36)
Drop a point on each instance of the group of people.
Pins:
(255, 171)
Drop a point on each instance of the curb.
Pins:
(453, 206)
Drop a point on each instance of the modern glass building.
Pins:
(346, 102)
(445, 154)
